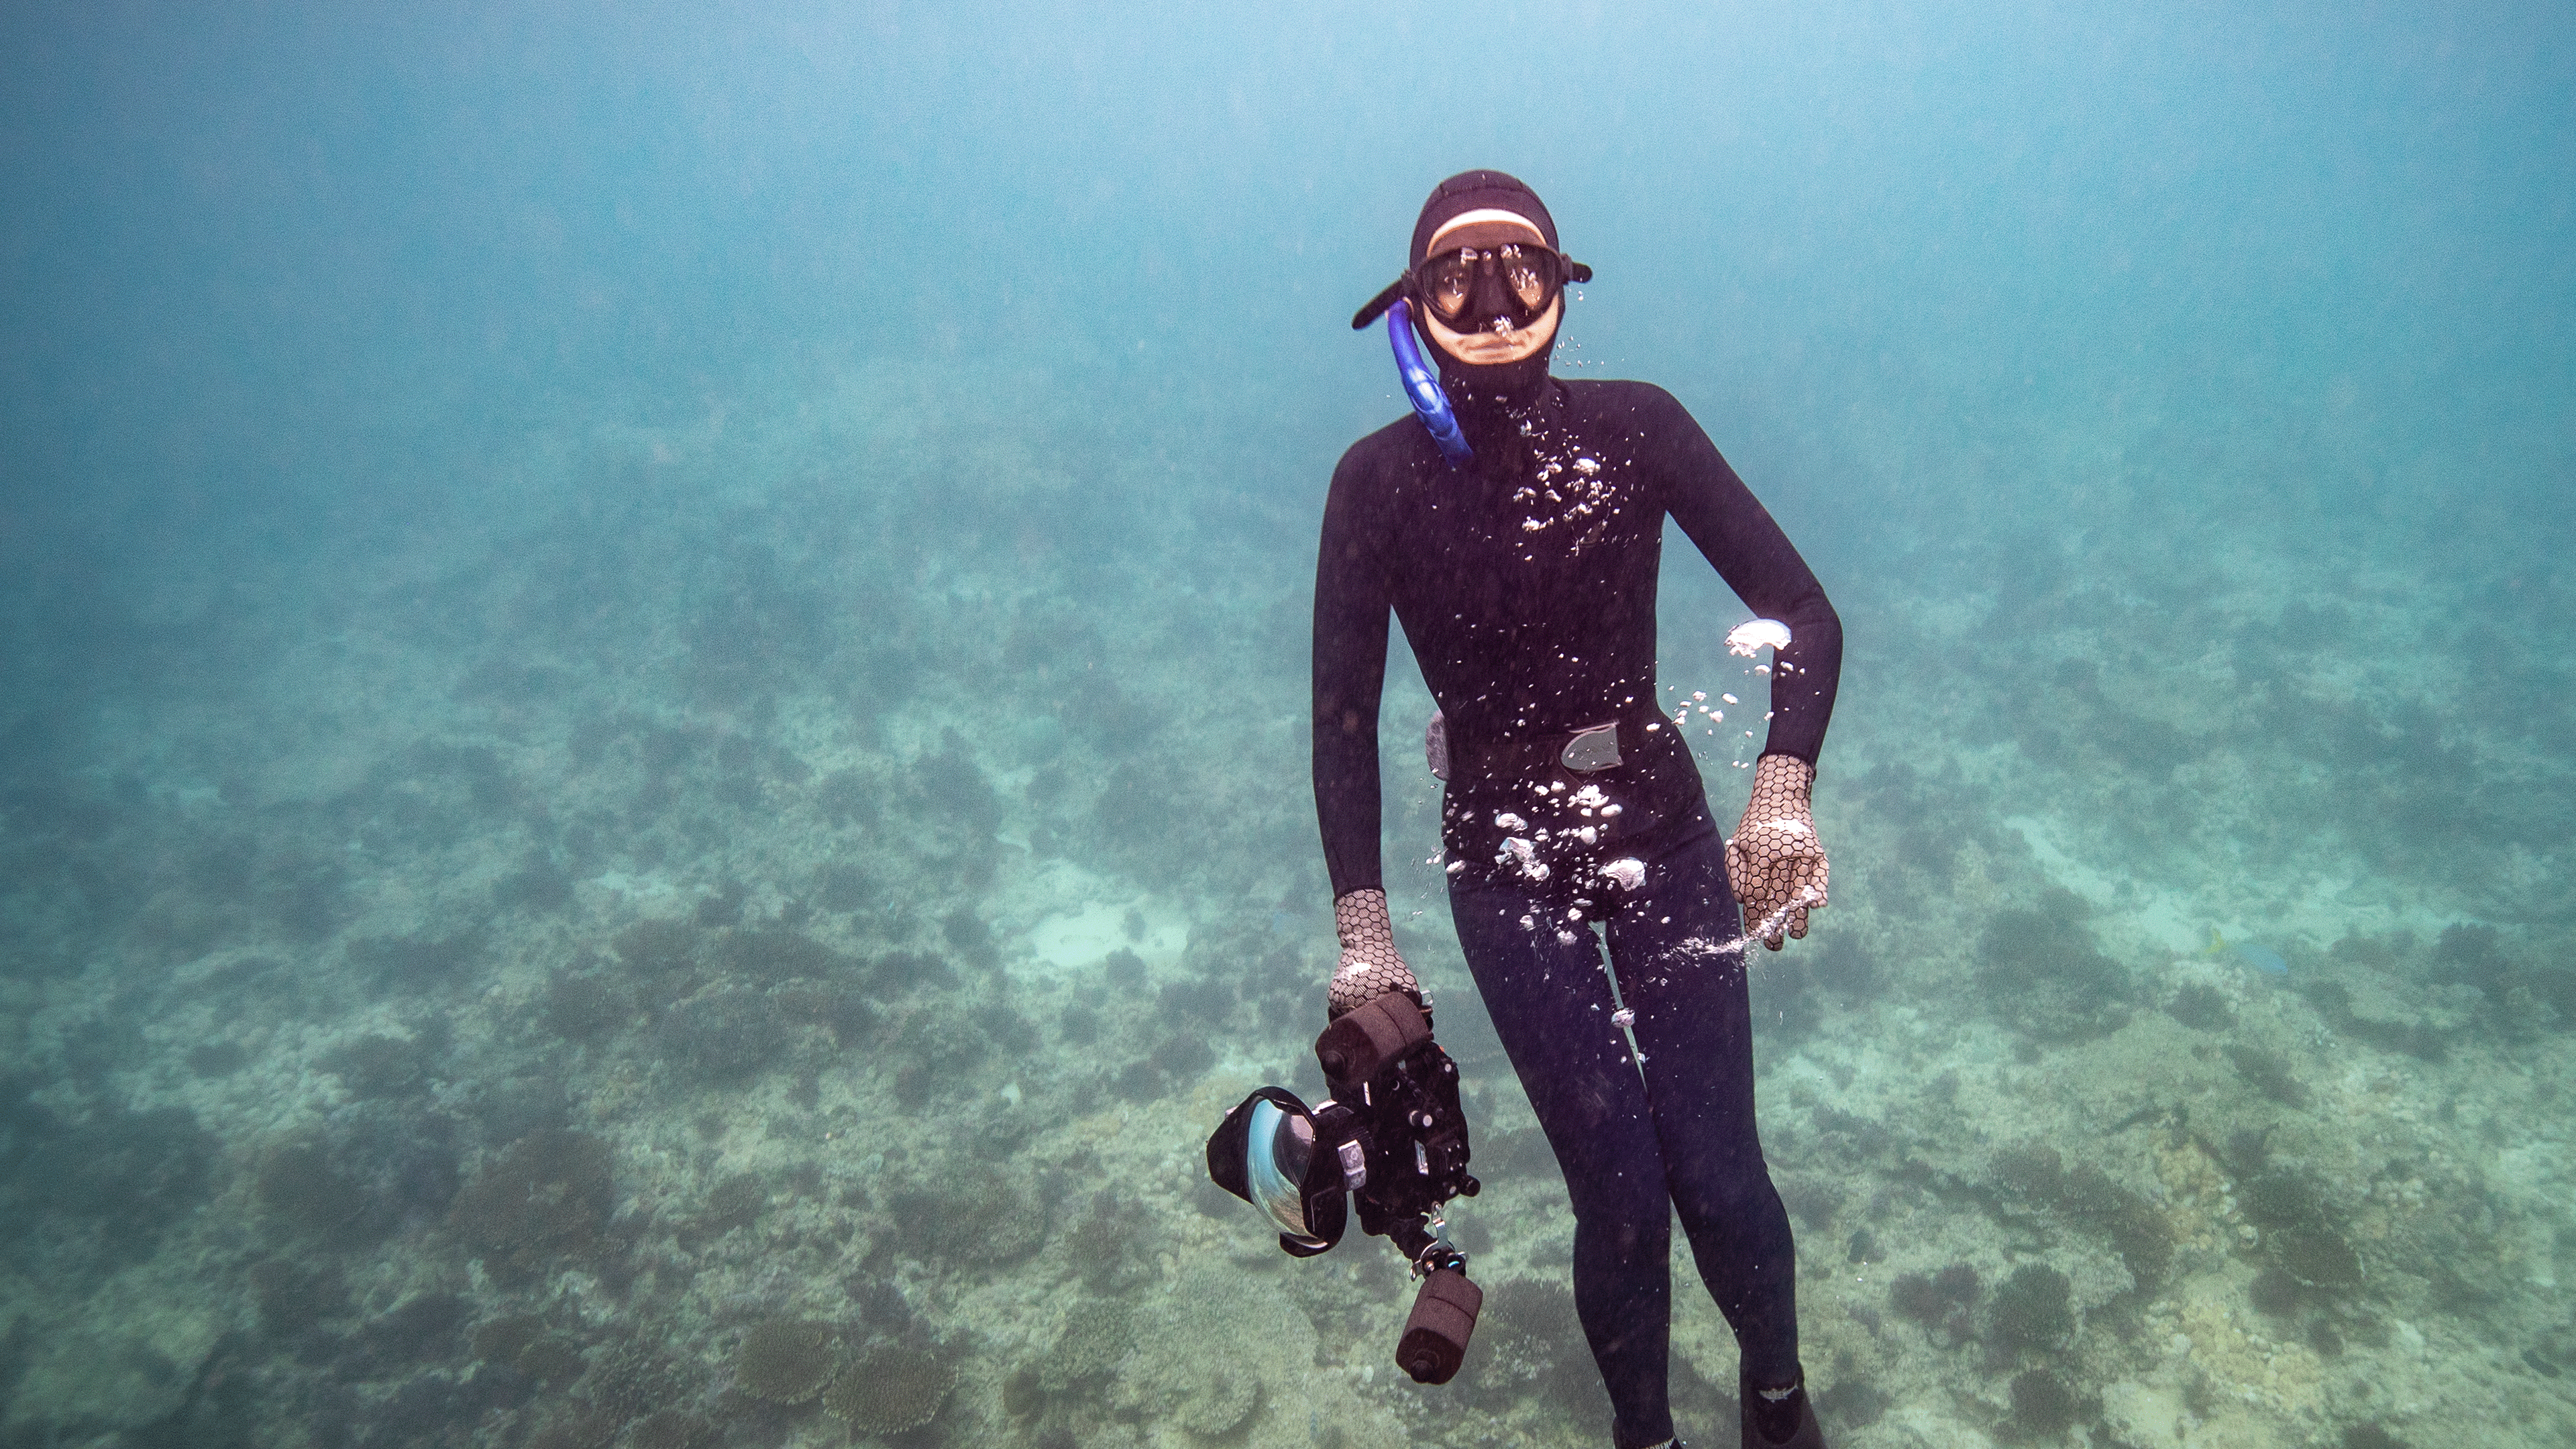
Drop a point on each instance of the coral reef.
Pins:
(1207, 1349)
(423, 1328)
(2315, 1256)
(551, 1358)
(581, 1006)
(294, 1297)
(629, 1378)
(1942, 1302)
(2269, 1073)
(661, 952)
(724, 1034)
(2201, 1006)
(2042, 1405)
(2047, 973)
(82, 1197)
(794, 890)
(981, 1215)
(735, 1201)
(786, 1361)
(1221, 1406)
(2043, 971)
(501, 1340)
(890, 1389)
(1095, 1337)
(2031, 1309)
(1528, 1341)
(2088, 1198)
(771, 955)
(1110, 1236)
(673, 1429)
(543, 1199)
(417, 962)
(379, 1065)
(300, 1184)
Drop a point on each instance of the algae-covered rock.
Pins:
(2316, 1255)
(128, 1360)
(87, 1196)
(2043, 973)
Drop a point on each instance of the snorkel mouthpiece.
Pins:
(1422, 386)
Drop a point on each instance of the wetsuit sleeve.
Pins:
(1352, 602)
(1738, 537)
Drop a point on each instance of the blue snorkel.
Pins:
(1422, 386)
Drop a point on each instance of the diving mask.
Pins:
(1491, 289)
(1501, 288)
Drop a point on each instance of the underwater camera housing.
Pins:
(1392, 1137)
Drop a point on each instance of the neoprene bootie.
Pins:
(1790, 1413)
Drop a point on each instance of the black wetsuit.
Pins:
(1525, 584)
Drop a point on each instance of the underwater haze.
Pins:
(653, 685)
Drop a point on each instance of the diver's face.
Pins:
(1484, 349)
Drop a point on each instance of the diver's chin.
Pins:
(1488, 349)
(1493, 349)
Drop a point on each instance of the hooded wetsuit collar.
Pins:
(1485, 394)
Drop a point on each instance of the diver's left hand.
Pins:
(1776, 860)
(1371, 966)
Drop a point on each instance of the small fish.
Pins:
(2262, 958)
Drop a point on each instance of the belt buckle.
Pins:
(1594, 749)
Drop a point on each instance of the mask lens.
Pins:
(1447, 282)
(1515, 283)
(1525, 275)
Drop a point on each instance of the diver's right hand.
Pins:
(1371, 966)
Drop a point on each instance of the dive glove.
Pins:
(1775, 861)
(1371, 966)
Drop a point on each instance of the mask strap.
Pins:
(1378, 304)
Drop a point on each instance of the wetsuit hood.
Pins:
(1477, 191)
(1481, 387)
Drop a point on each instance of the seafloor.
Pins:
(735, 935)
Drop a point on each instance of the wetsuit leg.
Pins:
(1694, 1025)
(1542, 980)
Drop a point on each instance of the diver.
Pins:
(1514, 529)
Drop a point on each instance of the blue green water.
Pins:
(652, 667)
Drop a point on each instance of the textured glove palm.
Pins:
(1776, 860)
(1371, 966)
